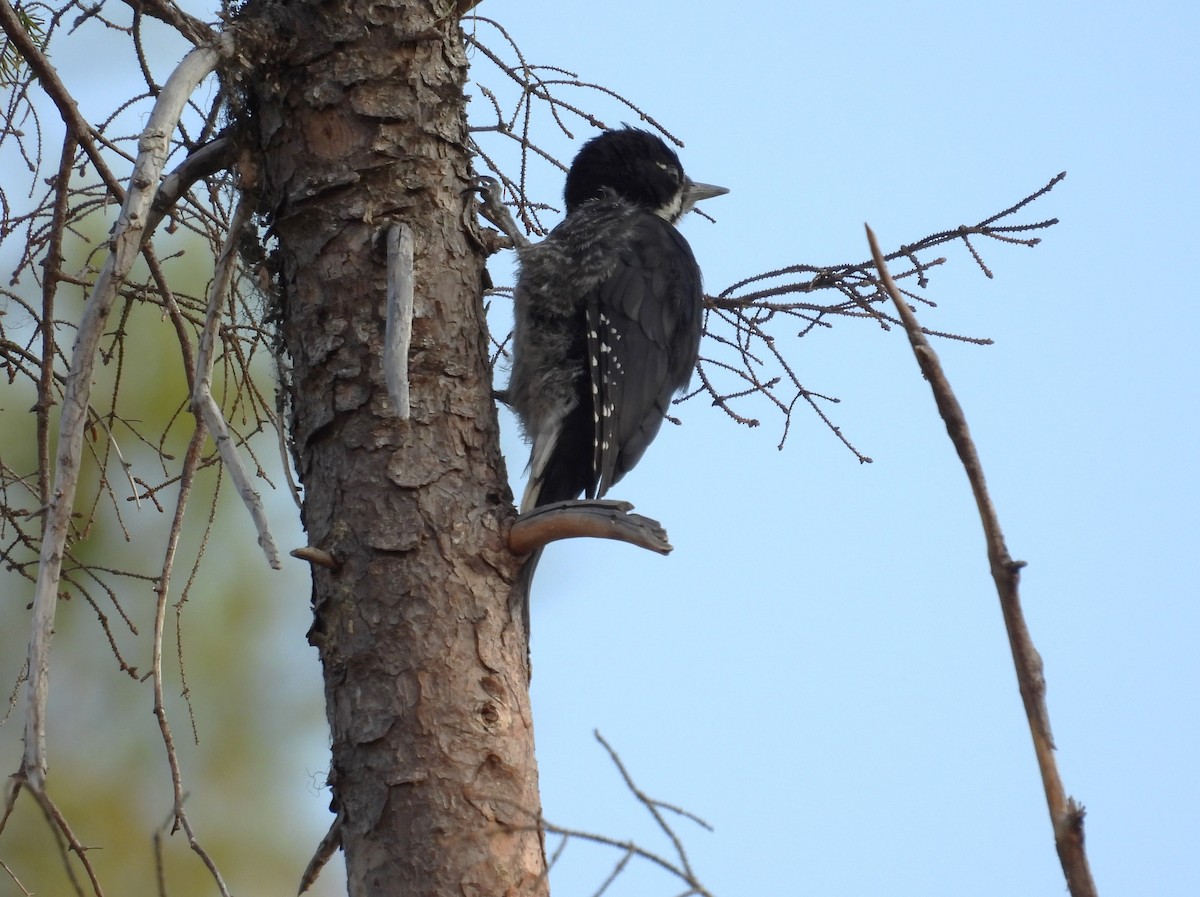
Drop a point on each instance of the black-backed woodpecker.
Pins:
(608, 316)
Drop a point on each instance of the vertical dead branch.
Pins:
(45, 400)
(202, 400)
(1066, 815)
(126, 245)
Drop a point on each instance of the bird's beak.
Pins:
(696, 192)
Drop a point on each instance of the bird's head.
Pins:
(639, 168)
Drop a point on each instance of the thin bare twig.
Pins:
(58, 92)
(749, 317)
(680, 867)
(1066, 816)
(16, 881)
(652, 806)
(179, 817)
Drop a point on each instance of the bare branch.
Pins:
(64, 837)
(595, 519)
(16, 881)
(679, 868)
(126, 245)
(316, 556)
(1066, 815)
(544, 86)
(62, 184)
(652, 806)
(202, 400)
(322, 855)
(179, 817)
(166, 11)
(749, 317)
(205, 161)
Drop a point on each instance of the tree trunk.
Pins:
(360, 121)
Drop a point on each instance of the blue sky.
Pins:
(820, 670)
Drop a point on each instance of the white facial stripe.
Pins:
(673, 209)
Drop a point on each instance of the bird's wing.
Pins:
(643, 329)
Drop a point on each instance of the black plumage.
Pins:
(608, 317)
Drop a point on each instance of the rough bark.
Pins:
(360, 122)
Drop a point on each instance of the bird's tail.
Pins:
(529, 500)
(550, 481)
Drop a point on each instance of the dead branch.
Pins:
(318, 557)
(202, 400)
(66, 840)
(536, 85)
(126, 246)
(205, 161)
(653, 806)
(1066, 816)
(16, 881)
(189, 26)
(179, 817)
(49, 291)
(680, 867)
(592, 519)
(752, 325)
(322, 855)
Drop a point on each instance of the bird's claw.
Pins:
(492, 207)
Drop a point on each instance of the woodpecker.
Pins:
(608, 314)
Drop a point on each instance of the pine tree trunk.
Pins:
(360, 121)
